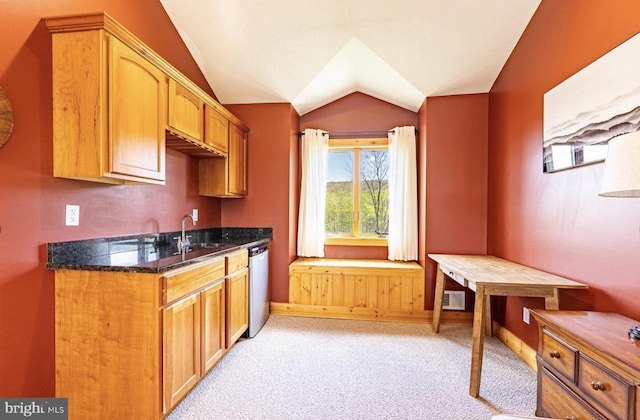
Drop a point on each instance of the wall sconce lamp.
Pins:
(622, 179)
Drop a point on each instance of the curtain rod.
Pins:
(339, 134)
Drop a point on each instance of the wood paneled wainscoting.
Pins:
(358, 289)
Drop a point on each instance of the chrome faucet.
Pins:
(183, 240)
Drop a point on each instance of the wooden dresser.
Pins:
(587, 367)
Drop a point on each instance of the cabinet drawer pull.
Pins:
(598, 386)
(554, 354)
(571, 418)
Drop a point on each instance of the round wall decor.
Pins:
(6, 118)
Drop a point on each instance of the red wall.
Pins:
(33, 202)
(557, 222)
(421, 151)
(456, 180)
(294, 186)
(271, 151)
(358, 112)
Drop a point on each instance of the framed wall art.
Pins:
(594, 105)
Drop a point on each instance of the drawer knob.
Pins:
(554, 354)
(598, 386)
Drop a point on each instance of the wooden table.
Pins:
(490, 276)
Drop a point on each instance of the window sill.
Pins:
(345, 241)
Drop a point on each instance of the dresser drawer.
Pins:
(559, 355)
(182, 281)
(605, 390)
(557, 401)
(237, 260)
(607, 366)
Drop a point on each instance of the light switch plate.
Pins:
(525, 315)
(195, 215)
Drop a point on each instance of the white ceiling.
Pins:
(312, 52)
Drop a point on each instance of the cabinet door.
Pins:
(226, 177)
(216, 129)
(181, 359)
(137, 107)
(237, 305)
(213, 325)
(186, 111)
(237, 161)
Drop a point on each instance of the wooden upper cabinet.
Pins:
(117, 105)
(137, 106)
(237, 168)
(186, 111)
(216, 129)
(109, 111)
(227, 178)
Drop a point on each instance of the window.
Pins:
(357, 195)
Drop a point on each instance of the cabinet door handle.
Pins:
(571, 418)
(554, 354)
(598, 386)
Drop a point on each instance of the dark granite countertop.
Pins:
(150, 253)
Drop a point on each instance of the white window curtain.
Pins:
(403, 195)
(315, 151)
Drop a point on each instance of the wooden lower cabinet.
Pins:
(587, 367)
(194, 340)
(132, 345)
(108, 344)
(213, 325)
(181, 350)
(237, 305)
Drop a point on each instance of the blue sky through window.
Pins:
(339, 164)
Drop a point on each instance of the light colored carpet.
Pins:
(310, 368)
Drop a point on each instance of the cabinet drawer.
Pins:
(556, 400)
(180, 282)
(607, 391)
(559, 355)
(237, 260)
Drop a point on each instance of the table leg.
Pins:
(488, 330)
(478, 341)
(552, 303)
(437, 302)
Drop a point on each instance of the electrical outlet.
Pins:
(195, 215)
(525, 315)
(72, 216)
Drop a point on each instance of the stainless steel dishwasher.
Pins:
(258, 288)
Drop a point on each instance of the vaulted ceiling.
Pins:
(312, 52)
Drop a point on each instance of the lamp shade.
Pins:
(622, 167)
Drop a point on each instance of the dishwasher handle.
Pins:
(257, 250)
